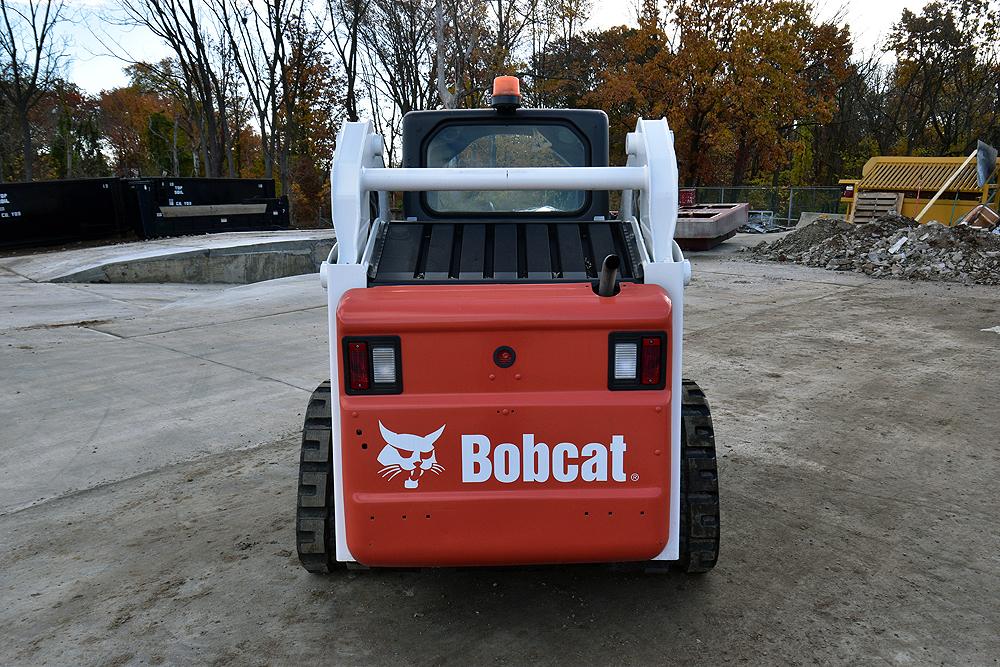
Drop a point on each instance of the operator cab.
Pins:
(503, 236)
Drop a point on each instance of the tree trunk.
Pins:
(69, 149)
(740, 161)
(176, 171)
(211, 151)
(447, 98)
(202, 168)
(26, 147)
(693, 169)
(228, 144)
(285, 179)
(266, 148)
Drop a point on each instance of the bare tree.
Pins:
(256, 36)
(205, 65)
(554, 29)
(346, 18)
(571, 14)
(31, 62)
(397, 63)
(398, 38)
(947, 73)
(454, 47)
(5, 116)
(509, 19)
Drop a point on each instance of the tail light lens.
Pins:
(637, 360)
(372, 365)
(384, 364)
(626, 361)
(652, 360)
(358, 377)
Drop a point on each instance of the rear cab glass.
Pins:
(506, 145)
(478, 138)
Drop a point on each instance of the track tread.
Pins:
(699, 547)
(314, 528)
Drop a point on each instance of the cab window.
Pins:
(536, 145)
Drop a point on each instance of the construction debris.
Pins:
(981, 216)
(761, 222)
(893, 246)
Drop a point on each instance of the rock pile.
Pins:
(893, 247)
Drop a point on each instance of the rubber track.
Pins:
(314, 536)
(699, 547)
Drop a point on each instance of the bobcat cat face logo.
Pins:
(412, 455)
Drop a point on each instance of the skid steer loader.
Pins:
(505, 359)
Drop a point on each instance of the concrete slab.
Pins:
(98, 400)
(234, 257)
(140, 408)
(298, 339)
(233, 304)
(28, 304)
(7, 277)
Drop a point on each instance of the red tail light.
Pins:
(357, 365)
(637, 360)
(372, 365)
(651, 360)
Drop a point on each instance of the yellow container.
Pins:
(917, 179)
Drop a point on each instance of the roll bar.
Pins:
(650, 172)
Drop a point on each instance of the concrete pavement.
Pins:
(148, 444)
(103, 382)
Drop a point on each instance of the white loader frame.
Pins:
(649, 180)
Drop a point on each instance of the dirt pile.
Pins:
(893, 247)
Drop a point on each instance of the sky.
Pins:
(95, 38)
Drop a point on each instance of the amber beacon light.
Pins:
(506, 93)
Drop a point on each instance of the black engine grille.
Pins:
(444, 252)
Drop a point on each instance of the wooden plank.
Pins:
(211, 209)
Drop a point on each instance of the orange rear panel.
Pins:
(473, 464)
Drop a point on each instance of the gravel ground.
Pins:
(856, 422)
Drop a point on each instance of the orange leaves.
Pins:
(735, 78)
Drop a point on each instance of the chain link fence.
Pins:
(783, 204)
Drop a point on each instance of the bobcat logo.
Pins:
(410, 454)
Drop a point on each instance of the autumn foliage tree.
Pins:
(738, 79)
(758, 92)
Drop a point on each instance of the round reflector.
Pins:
(504, 356)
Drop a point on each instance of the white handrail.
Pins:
(514, 178)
